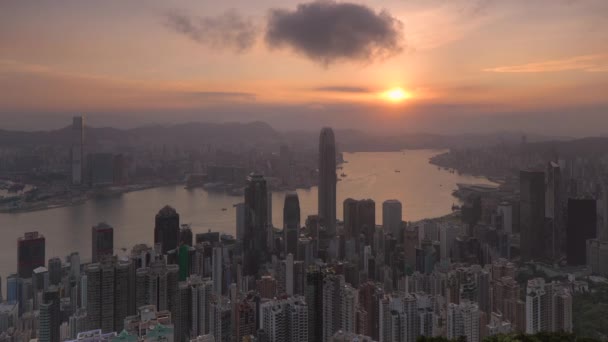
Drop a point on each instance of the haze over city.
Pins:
(304, 171)
(383, 66)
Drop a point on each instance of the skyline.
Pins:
(488, 65)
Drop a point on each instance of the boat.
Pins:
(397, 171)
(343, 175)
(224, 209)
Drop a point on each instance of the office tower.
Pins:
(397, 318)
(217, 271)
(185, 235)
(505, 210)
(532, 215)
(240, 221)
(55, 271)
(157, 285)
(291, 222)
(166, 229)
(202, 292)
(392, 217)
(289, 275)
(581, 226)
(553, 210)
(77, 150)
(256, 224)
(463, 320)
(102, 241)
(74, 272)
(124, 292)
(285, 320)
(30, 253)
(360, 219)
(327, 180)
(50, 316)
(100, 295)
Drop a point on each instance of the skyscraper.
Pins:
(166, 229)
(100, 295)
(77, 150)
(102, 241)
(30, 253)
(532, 215)
(217, 271)
(256, 224)
(392, 217)
(327, 180)
(285, 320)
(463, 320)
(582, 226)
(291, 222)
(55, 271)
(554, 210)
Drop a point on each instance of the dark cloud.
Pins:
(330, 31)
(343, 89)
(229, 30)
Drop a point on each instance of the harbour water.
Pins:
(424, 190)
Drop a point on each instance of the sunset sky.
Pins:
(466, 65)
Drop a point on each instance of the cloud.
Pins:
(589, 63)
(343, 89)
(229, 30)
(328, 32)
(223, 96)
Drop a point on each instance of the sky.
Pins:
(445, 66)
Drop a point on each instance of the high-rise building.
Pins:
(166, 229)
(314, 301)
(332, 304)
(285, 320)
(102, 241)
(55, 271)
(100, 295)
(505, 210)
(360, 219)
(392, 217)
(267, 286)
(256, 224)
(532, 215)
(218, 266)
(50, 319)
(463, 320)
(291, 222)
(410, 243)
(582, 226)
(100, 168)
(30, 253)
(327, 180)
(245, 318)
(548, 307)
(185, 235)
(554, 210)
(447, 235)
(221, 319)
(240, 221)
(124, 292)
(77, 150)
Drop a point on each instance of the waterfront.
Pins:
(424, 190)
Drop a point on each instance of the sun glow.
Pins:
(396, 95)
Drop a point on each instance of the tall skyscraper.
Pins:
(77, 150)
(100, 295)
(291, 222)
(30, 253)
(532, 215)
(166, 229)
(327, 180)
(50, 315)
(55, 271)
(582, 226)
(217, 271)
(124, 292)
(102, 241)
(391, 217)
(360, 219)
(256, 224)
(554, 210)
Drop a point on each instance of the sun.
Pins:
(396, 95)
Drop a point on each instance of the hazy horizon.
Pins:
(417, 66)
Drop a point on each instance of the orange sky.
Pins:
(127, 56)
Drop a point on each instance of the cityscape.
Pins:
(304, 171)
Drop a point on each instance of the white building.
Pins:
(463, 320)
(285, 319)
